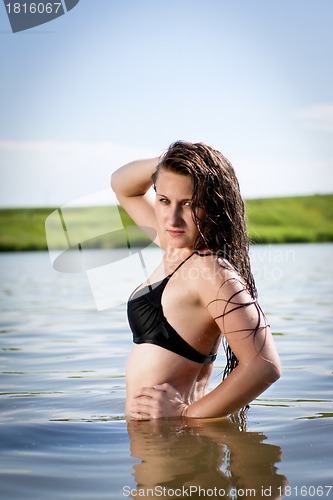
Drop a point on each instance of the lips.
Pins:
(175, 232)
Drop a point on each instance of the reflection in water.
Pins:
(211, 458)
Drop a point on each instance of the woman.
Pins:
(202, 290)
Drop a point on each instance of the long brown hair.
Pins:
(218, 209)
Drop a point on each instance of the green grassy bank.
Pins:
(271, 220)
(293, 219)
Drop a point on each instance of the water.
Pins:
(63, 433)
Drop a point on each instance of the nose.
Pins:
(175, 216)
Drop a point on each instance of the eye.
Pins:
(164, 201)
(188, 203)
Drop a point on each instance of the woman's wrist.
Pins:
(134, 178)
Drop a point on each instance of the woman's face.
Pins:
(173, 207)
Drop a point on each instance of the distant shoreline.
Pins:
(305, 219)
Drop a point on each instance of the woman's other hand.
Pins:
(160, 401)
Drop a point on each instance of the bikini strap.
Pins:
(180, 265)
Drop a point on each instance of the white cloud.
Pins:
(276, 178)
(317, 117)
(51, 173)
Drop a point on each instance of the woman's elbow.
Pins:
(117, 185)
(113, 182)
(268, 371)
(272, 372)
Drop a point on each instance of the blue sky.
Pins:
(111, 81)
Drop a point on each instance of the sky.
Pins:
(112, 81)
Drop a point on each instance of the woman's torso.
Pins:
(150, 364)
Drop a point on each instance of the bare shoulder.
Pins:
(215, 268)
(217, 277)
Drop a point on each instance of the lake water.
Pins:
(63, 433)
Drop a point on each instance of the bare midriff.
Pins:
(149, 365)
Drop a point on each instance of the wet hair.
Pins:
(218, 210)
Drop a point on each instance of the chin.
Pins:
(182, 245)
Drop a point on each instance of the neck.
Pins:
(173, 254)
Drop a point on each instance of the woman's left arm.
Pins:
(248, 334)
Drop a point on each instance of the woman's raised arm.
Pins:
(131, 184)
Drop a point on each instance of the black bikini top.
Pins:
(149, 325)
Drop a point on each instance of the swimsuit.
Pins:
(150, 326)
